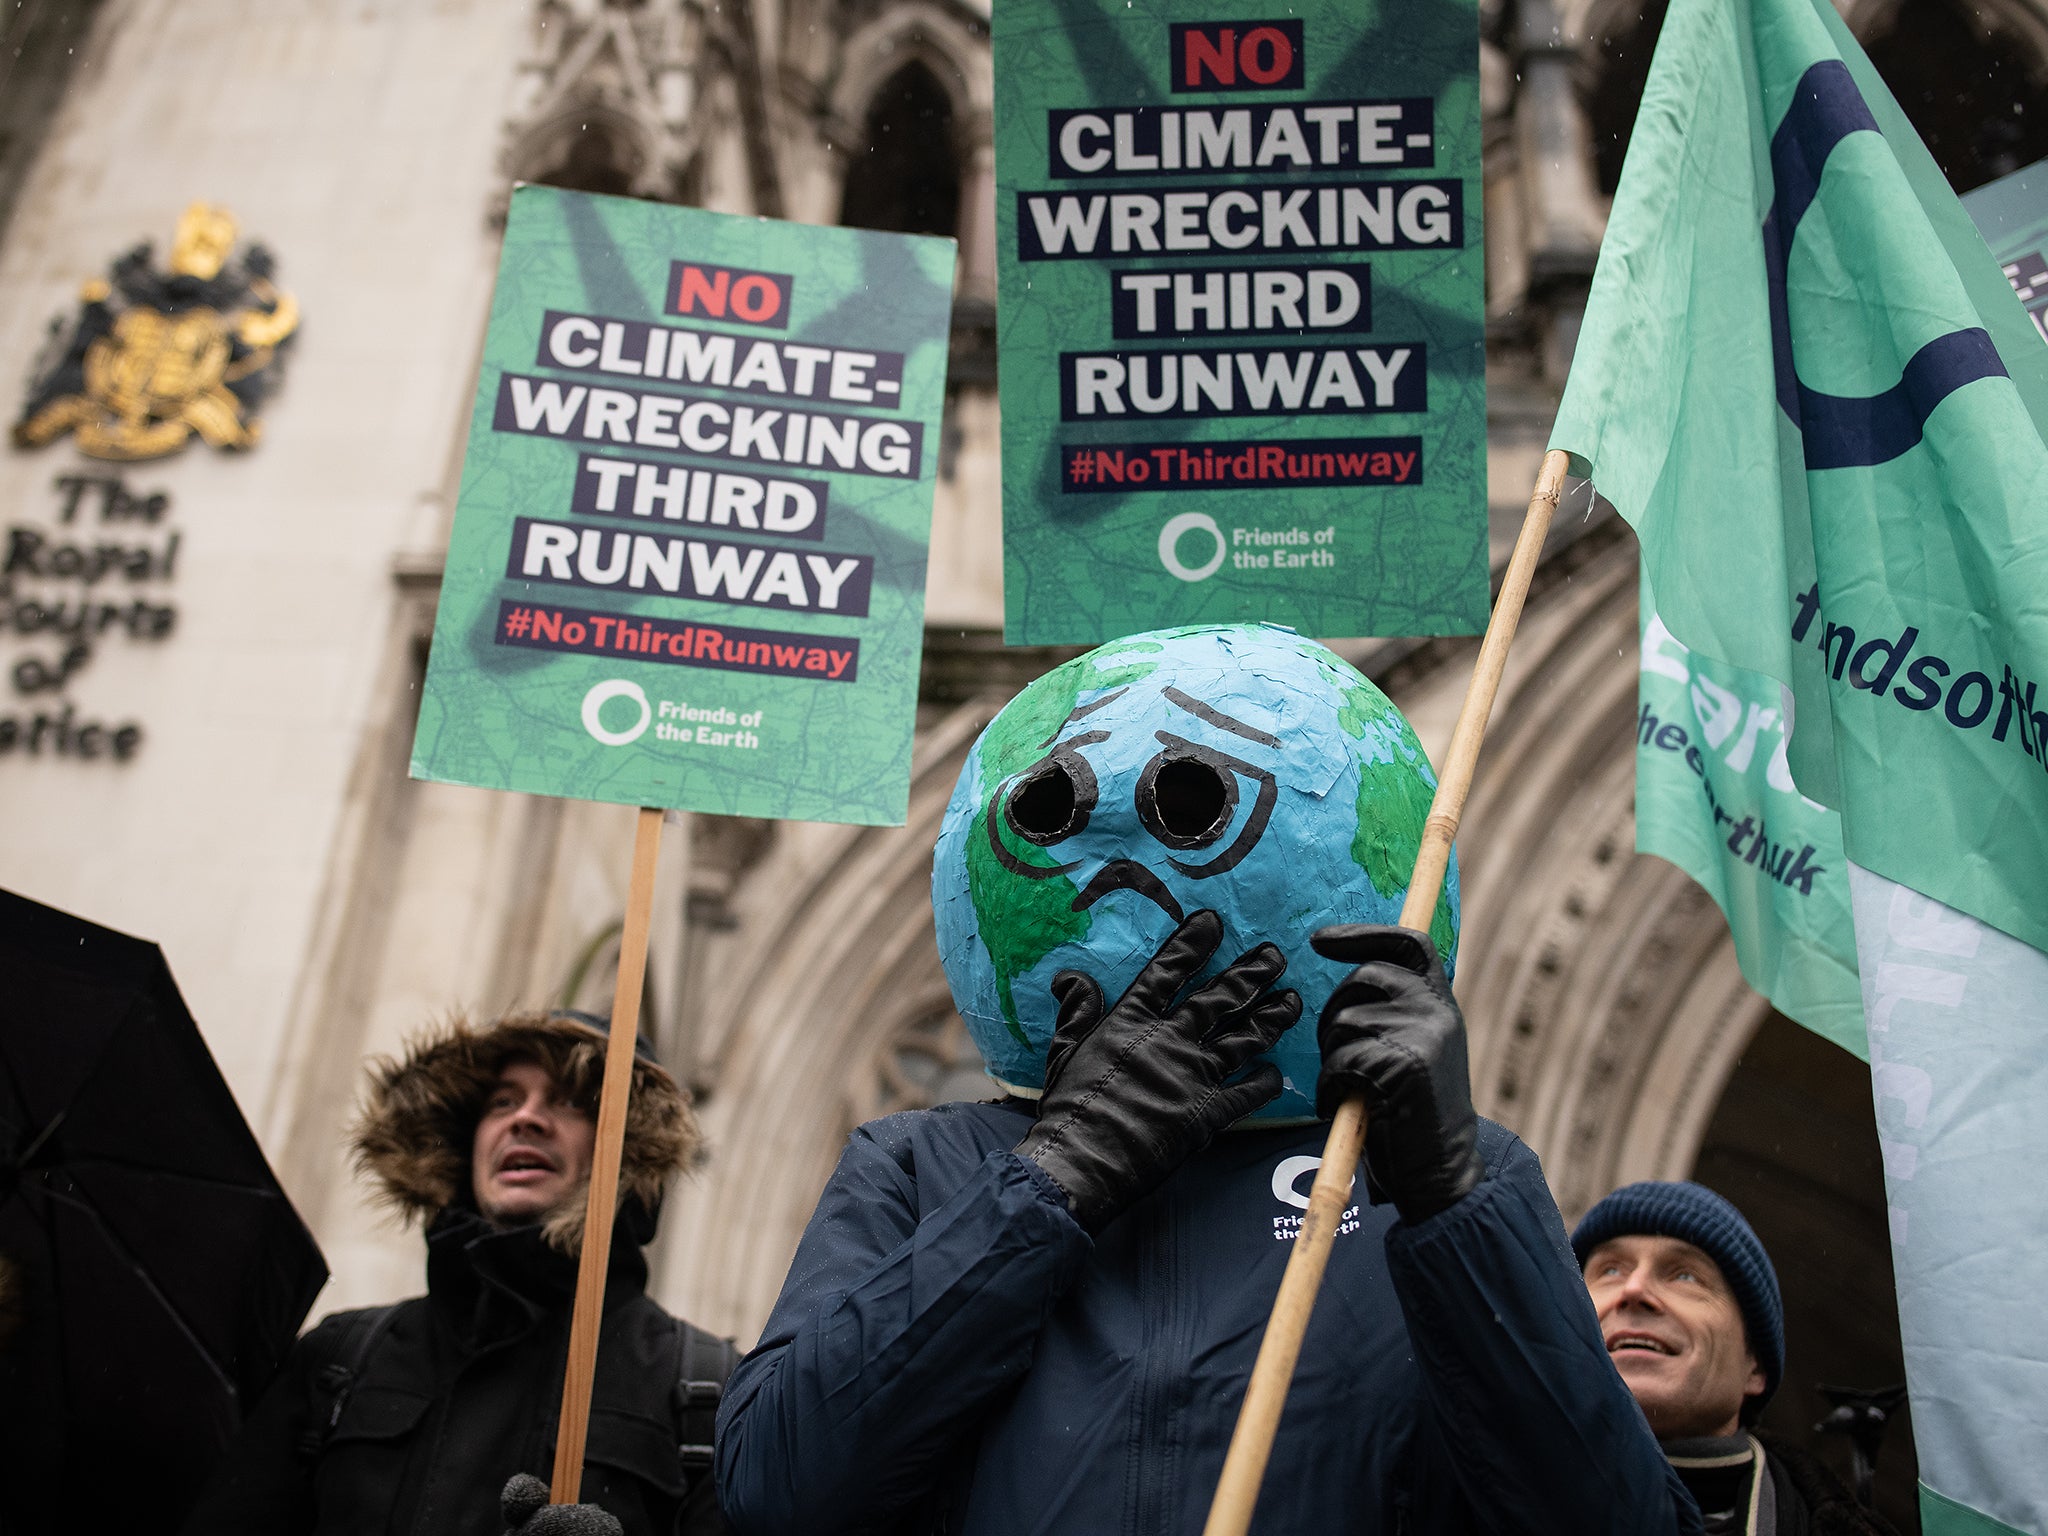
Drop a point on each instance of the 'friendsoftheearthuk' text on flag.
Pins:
(1809, 387)
(1714, 796)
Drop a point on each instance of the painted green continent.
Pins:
(1022, 920)
(1393, 804)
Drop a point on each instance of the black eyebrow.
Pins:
(1086, 709)
(1217, 718)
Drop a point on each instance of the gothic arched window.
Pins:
(907, 178)
(593, 164)
(1623, 69)
(1967, 90)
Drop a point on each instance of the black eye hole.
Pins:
(1052, 801)
(1185, 802)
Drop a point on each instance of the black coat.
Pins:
(459, 1390)
(953, 1353)
(1811, 1499)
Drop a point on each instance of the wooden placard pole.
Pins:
(1244, 1468)
(604, 1164)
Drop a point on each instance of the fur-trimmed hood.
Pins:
(419, 1117)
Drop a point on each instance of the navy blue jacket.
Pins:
(951, 1353)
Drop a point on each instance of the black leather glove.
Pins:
(1130, 1097)
(524, 1503)
(1392, 1034)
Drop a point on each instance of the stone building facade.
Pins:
(318, 905)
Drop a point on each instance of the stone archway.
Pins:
(833, 972)
(1793, 1142)
(1606, 1007)
(955, 53)
(1605, 1003)
(906, 173)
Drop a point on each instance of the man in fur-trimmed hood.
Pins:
(428, 1115)
(412, 1417)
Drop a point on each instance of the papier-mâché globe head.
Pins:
(1237, 767)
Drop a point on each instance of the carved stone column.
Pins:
(977, 283)
(1561, 206)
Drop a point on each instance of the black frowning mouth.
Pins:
(1128, 875)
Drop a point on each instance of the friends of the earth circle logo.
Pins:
(1202, 568)
(603, 694)
(157, 356)
(617, 713)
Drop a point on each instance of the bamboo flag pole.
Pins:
(1244, 1468)
(604, 1163)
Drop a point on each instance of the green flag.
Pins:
(1797, 378)
(1806, 383)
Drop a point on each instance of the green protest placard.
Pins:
(688, 562)
(1241, 317)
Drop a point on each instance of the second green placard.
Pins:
(1241, 317)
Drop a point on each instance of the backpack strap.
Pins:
(704, 1362)
(357, 1336)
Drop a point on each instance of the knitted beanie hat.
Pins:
(1694, 1214)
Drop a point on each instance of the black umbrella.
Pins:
(158, 1271)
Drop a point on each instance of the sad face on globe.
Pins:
(1240, 768)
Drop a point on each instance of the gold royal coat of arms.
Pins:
(159, 355)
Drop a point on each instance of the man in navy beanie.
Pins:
(1689, 1308)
